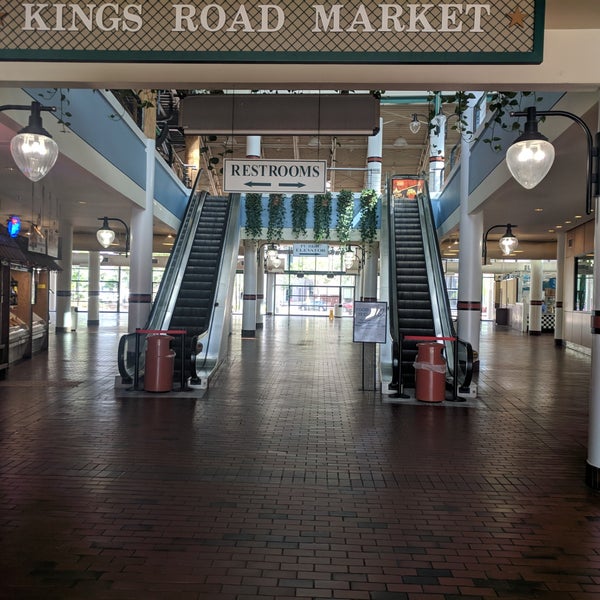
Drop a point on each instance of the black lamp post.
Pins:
(106, 236)
(508, 242)
(33, 149)
(527, 153)
(531, 155)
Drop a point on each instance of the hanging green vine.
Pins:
(253, 216)
(345, 214)
(299, 212)
(276, 217)
(368, 216)
(322, 214)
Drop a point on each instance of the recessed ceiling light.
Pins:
(551, 231)
(538, 209)
(578, 216)
(568, 222)
(559, 227)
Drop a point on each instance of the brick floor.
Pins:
(287, 481)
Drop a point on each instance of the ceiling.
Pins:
(69, 190)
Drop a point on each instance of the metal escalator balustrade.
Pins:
(419, 298)
(413, 306)
(195, 299)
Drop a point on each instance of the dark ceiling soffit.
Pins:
(272, 114)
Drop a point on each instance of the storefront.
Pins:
(24, 294)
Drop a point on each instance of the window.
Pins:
(584, 283)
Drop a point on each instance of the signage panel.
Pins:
(290, 31)
(370, 322)
(311, 250)
(274, 176)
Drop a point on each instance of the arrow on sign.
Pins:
(298, 184)
(257, 184)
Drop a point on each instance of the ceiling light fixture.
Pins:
(415, 124)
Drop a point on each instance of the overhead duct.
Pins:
(292, 114)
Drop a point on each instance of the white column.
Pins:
(559, 292)
(470, 249)
(249, 299)
(437, 157)
(270, 293)
(374, 159)
(370, 273)
(592, 476)
(94, 288)
(593, 459)
(536, 298)
(63, 279)
(260, 291)
(140, 260)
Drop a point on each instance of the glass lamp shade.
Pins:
(529, 161)
(34, 154)
(105, 236)
(508, 243)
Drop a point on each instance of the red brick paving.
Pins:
(287, 481)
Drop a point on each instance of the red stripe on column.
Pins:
(536, 302)
(377, 159)
(468, 305)
(249, 297)
(596, 322)
(559, 305)
(436, 159)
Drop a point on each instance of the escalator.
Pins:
(418, 297)
(194, 293)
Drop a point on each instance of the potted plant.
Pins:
(253, 216)
(368, 215)
(276, 217)
(322, 214)
(345, 214)
(299, 212)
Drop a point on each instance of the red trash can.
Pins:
(430, 368)
(160, 364)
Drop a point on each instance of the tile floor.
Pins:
(287, 481)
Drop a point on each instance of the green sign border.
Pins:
(535, 56)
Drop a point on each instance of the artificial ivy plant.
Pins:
(253, 216)
(345, 214)
(322, 214)
(276, 217)
(299, 212)
(368, 216)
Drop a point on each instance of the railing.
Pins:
(459, 354)
(162, 308)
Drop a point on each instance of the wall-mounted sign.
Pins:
(274, 176)
(370, 322)
(230, 31)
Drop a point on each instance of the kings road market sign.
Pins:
(287, 31)
(274, 176)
